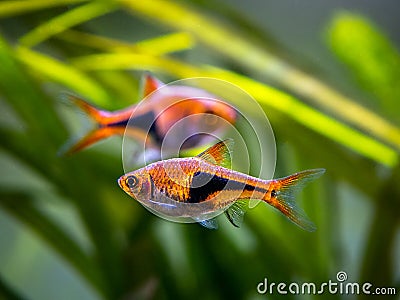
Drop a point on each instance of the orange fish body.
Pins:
(197, 189)
(162, 108)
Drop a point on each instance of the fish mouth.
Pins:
(121, 183)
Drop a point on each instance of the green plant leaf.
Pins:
(6, 292)
(370, 56)
(12, 8)
(177, 41)
(60, 72)
(23, 209)
(70, 18)
(21, 93)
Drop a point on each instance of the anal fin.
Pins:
(236, 212)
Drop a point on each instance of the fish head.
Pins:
(137, 184)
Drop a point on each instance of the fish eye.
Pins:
(131, 181)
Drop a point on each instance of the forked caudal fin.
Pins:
(282, 196)
(102, 120)
(107, 123)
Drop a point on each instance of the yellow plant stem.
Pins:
(12, 8)
(66, 20)
(177, 41)
(57, 71)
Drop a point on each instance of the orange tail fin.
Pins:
(94, 113)
(100, 117)
(92, 137)
(282, 194)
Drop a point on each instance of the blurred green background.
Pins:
(327, 74)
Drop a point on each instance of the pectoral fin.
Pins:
(210, 223)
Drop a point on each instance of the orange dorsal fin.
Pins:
(219, 154)
(150, 84)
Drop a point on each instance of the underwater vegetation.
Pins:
(67, 231)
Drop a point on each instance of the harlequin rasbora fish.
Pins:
(150, 120)
(196, 189)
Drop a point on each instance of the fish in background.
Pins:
(197, 189)
(188, 116)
